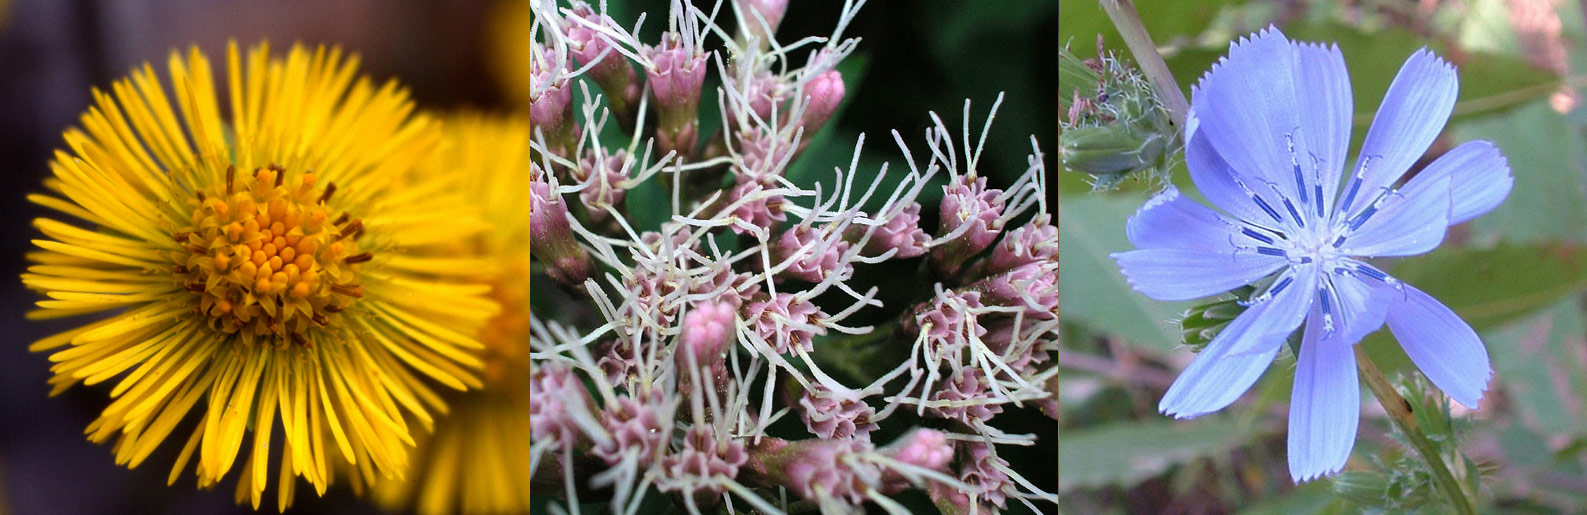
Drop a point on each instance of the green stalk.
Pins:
(1400, 412)
(1128, 21)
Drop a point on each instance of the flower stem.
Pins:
(1400, 412)
(1128, 21)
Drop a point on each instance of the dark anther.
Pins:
(179, 269)
(194, 287)
(350, 291)
(298, 339)
(341, 219)
(359, 258)
(320, 319)
(231, 177)
(330, 187)
(355, 226)
(332, 308)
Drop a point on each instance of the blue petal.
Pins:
(1171, 274)
(1480, 179)
(1324, 407)
(1219, 375)
(1249, 112)
(1216, 179)
(1406, 224)
(1359, 305)
(1441, 344)
(1172, 221)
(1322, 84)
(1414, 111)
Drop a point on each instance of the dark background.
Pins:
(921, 55)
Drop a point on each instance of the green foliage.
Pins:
(1126, 453)
(1093, 290)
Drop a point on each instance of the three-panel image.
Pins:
(778, 257)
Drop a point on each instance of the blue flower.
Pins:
(1267, 138)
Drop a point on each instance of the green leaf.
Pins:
(1095, 292)
(1126, 453)
(1541, 369)
(1546, 156)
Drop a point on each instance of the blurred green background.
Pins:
(1517, 274)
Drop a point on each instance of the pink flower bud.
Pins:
(675, 80)
(614, 74)
(834, 414)
(770, 10)
(707, 329)
(551, 235)
(925, 448)
(824, 93)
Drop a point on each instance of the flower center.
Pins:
(266, 260)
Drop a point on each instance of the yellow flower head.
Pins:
(478, 458)
(270, 264)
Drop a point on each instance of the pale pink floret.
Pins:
(553, 391)
(969, 386)
(773, 320)
(832, 468)
(815, 256)
(902, 232)
(635, 428)
(1030, 243)
(703, 463)
(968, 202)
(834, 414)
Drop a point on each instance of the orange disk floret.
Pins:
(263, 259)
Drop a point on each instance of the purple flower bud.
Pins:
(554, 391)
(835, 414)
(972, 214)
(551, 235)
(785, 322)
(968, 385)
(1032, 242)
(824, 93)
(821, 258)
(602, 180)
(675, 80)
(901, 232)
(763, 92)
(636, 428)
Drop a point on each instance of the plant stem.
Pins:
(1128, 21)
(1400, 412)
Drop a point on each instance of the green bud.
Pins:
(1115, 125)
(1200, 324)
